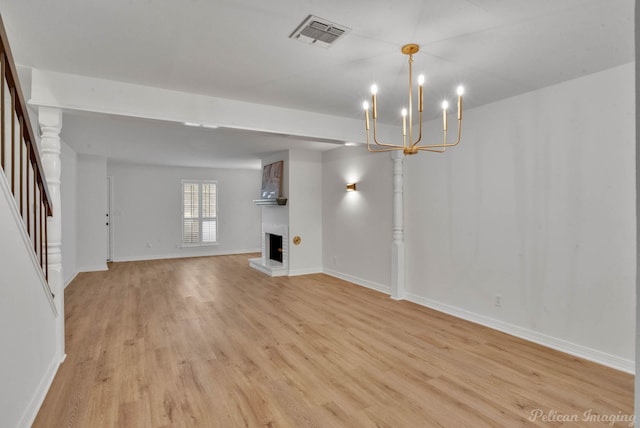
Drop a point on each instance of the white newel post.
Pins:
(50, 121)
(397, 247)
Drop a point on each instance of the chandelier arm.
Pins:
(419, 136)
(388, 145)
(459, 133)
(429, 149)
(379, 150)
(433, 146)
(375, 139)
(383, 150)
(375, 134)
(446, 145)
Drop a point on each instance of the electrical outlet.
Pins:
(498, 301)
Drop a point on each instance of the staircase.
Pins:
(20, 158)
(31, 317)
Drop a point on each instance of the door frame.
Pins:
(109, 217)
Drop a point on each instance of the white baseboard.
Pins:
(184, 255)
(96, 268)
(305, 271)
(561, 345)
(39, 395)
(359, 281)
(594, 355)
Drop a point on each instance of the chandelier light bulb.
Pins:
(421, 80)
(404, 112)
(445, 105)
(460, 90)
(374, 89)
(365, 105)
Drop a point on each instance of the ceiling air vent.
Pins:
(318, 31)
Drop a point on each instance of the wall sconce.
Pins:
(351, 187)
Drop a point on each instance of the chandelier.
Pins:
(410, 147)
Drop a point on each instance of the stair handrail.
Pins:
(10, 73)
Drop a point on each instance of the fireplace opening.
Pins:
(275, 247)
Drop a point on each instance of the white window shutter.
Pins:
(199, 212)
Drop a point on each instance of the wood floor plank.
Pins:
(209, 342)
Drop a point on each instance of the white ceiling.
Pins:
(159, 142)
(240, 49)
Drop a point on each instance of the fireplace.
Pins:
(274, 260)
(275, 247)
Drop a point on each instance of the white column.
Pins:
(50, 121)
(397, 247)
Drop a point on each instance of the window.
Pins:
(199, 212)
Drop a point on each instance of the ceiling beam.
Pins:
(66, 91)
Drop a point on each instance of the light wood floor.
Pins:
(210, 342)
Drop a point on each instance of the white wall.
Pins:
(147, 211)
(536, 205)
(68, 195)
(305, 212)
(357, 226)
(28, 360)
(91, 209)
